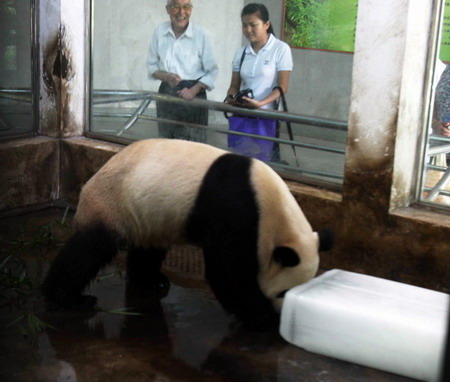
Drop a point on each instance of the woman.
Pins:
(441, 114)
(262, 65)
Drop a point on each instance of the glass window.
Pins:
(435, 182)
(310, 139)
(16, 116)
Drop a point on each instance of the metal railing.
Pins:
(144, 98)
(433, 150)
(114, 96)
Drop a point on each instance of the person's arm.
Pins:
(234, 87)
(209, 64)
(154, 65)
(283, 83)
(171, 78)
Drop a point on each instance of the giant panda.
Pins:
(156, 193)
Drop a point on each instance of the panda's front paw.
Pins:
(162, 282)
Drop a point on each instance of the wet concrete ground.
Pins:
(182, 335)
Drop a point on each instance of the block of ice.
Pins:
(369, 321)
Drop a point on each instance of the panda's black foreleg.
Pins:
(76, 265)
(232, 276)
(144, 268)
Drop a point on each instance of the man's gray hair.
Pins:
(170, 2)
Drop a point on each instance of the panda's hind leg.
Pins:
(144, 268)
(76, 265)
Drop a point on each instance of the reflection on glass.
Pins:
(15, 68)
(123, 102)
(436, 182)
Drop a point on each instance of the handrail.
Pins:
(147, 97)
(439, 138)
(110, 96)
(16, 94)
(224, 107)
(131, 118)
(438, 188)
(115, 96)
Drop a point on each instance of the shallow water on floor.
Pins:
(180, 335)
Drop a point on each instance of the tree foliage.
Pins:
(306, 22)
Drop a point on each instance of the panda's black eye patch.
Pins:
(286, 256)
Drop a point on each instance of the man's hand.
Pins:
(172, 79)
(190, 93)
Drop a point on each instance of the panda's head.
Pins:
(293, 265)
(288, 248)
(257, 301)
(257, 242)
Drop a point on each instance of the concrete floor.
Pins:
(183, 335)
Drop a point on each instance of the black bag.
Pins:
(173, 91)
(288, 124)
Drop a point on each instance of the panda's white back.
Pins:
(147, 187)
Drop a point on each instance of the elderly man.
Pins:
(181, 56)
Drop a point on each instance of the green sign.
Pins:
(320, 24)
(444, 52)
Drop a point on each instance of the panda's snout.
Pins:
(282, 294)
(278, 300)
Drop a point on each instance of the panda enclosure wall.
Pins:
(377, 231)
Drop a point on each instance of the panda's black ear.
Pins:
(326, 239)
(286, 256)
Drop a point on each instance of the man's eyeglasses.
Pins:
(178, 7)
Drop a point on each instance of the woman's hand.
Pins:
(231, 100)
(442, 129)
(251, 103)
